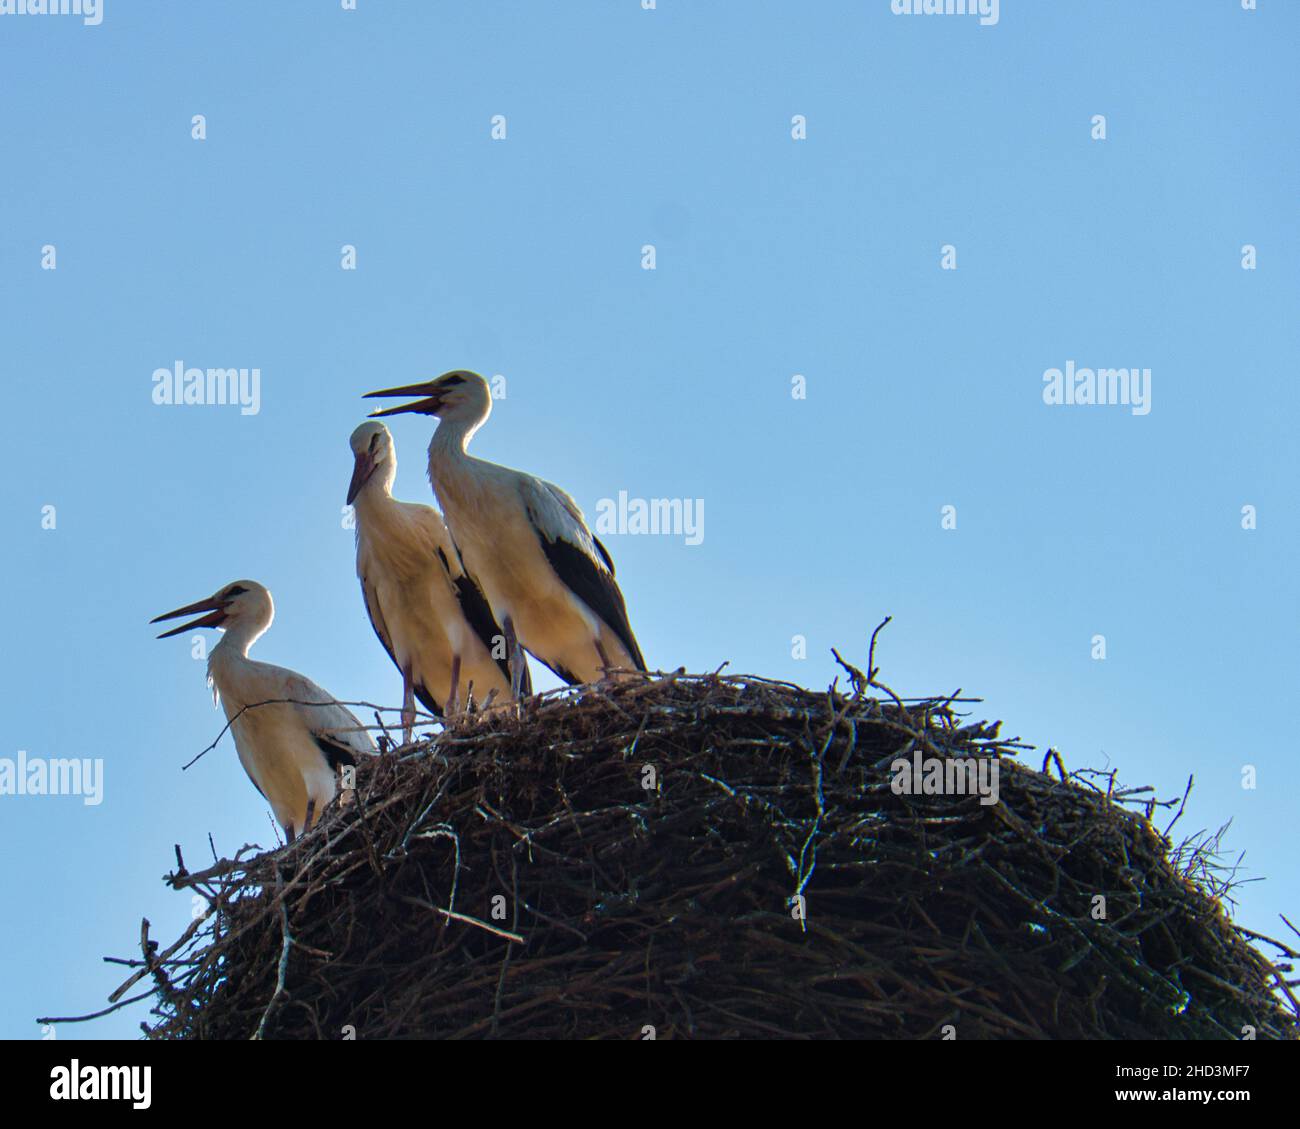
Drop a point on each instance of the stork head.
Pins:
(244, 603)
(458, 395)
(373, 451)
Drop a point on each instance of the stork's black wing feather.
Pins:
(593, 586)
(609, 561)
(336, 752)
(377, 622)
(479, 616)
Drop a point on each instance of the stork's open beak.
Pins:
(211, 604)
(361, 472)
(428, 407)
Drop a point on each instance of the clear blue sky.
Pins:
(522, 257)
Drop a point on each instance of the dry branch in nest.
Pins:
(711, 857)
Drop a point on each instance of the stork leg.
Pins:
(453, 704)
(605, 664)
(515, 657)
(408, 707)
(306, 823)
(289, 835)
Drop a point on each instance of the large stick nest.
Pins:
(711, 857)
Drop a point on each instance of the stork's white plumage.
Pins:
(426, 609)
(290, 735)
(549, 582)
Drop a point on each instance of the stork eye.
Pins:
(452, 381)
(374, 442)
(231, 593)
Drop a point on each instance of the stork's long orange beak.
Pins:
(211, 604)
(428, 406)
(361, 472)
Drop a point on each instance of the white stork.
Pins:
(426, 609)
(549, 582)
(292, 745)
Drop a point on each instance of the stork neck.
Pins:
(375, 495)
(239, 637)
(451, 438)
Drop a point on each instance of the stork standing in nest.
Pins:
(548, 580)
(426, 609)
(291, 736)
